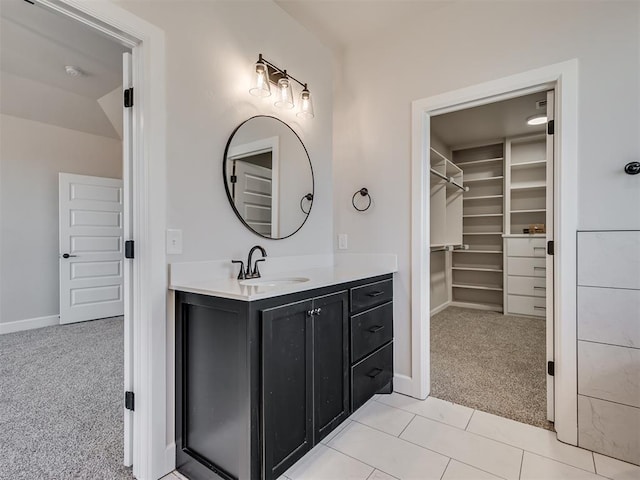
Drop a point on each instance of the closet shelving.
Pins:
(478, 272)
(526, 200)
(447, 189)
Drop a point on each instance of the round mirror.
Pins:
(268, 177)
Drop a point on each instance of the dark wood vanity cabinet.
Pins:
(258, 384)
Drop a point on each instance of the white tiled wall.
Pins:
(609, 343)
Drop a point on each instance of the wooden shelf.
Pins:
(477, 269)
(486, 179)
(478, 287)
(481, 233)
(483, 215)
(536, 163)
(480, 162)
(483, 197)
(535, 210)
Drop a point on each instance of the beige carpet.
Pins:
(61, 415)
(491, 362)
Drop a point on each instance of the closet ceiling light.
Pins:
(539, 119)
(267, 73)
(74, 71)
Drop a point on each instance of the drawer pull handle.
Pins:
(539, 268)
(538, 248)
(540, 288)
(376, 328)
(375, 294)
(374, 373)
(540, 308)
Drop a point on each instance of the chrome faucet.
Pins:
(248, 273)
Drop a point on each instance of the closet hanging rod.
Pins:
(449, 179)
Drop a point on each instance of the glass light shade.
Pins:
(261, 86)
(306, 104)
(285, 94)
(537, 119)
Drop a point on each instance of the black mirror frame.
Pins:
(226, 186)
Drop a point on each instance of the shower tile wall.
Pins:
(609, 343)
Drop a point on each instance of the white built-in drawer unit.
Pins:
(525, 276)
(532, 286)
(526, 266)
(526, 247)
(522, 305)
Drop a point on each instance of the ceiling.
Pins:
(488, 122)
(341, 23)
(36, 44)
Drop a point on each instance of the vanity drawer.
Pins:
(370, 375)
(371, 295)
(528, 267)
(532, 286)
(526, 247)
(519, 305)
(370, 330)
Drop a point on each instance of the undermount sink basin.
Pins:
(272, 282)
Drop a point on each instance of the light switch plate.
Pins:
(174, 241)
(342, 241)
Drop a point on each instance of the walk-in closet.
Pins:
(491, 224)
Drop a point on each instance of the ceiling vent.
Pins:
(540, 104)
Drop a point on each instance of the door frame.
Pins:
(153, 452)
(563, 78)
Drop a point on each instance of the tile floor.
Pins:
(398, 437)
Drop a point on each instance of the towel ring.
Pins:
(365, 193)
(309, 197)
(632, 168)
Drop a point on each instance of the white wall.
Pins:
(463, 44)
(31, 156)
(211, 50)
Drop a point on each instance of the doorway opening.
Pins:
(67, 211)
(562, 78)
(491, 273)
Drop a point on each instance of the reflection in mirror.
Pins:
(268, 177)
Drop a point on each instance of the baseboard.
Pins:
(439, 308)
(402, 384)
(170, 457)
(29, 324)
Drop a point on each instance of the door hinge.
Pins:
(129, 401)
(550, 247)
(129, 249)
(234, 179)
(128, 97)
(551, 127)
(551, 370)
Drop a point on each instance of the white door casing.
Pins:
(549, 261)
(564, 78)
(91, 247)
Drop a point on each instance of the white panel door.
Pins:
(127, 176)
(91, 247)
(550, 261)
(252, 195)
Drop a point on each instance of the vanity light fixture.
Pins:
(266, 73)
(538, 119)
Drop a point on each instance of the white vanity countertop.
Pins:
(318, 278)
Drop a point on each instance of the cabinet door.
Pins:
(330, 362)
(287, 353)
